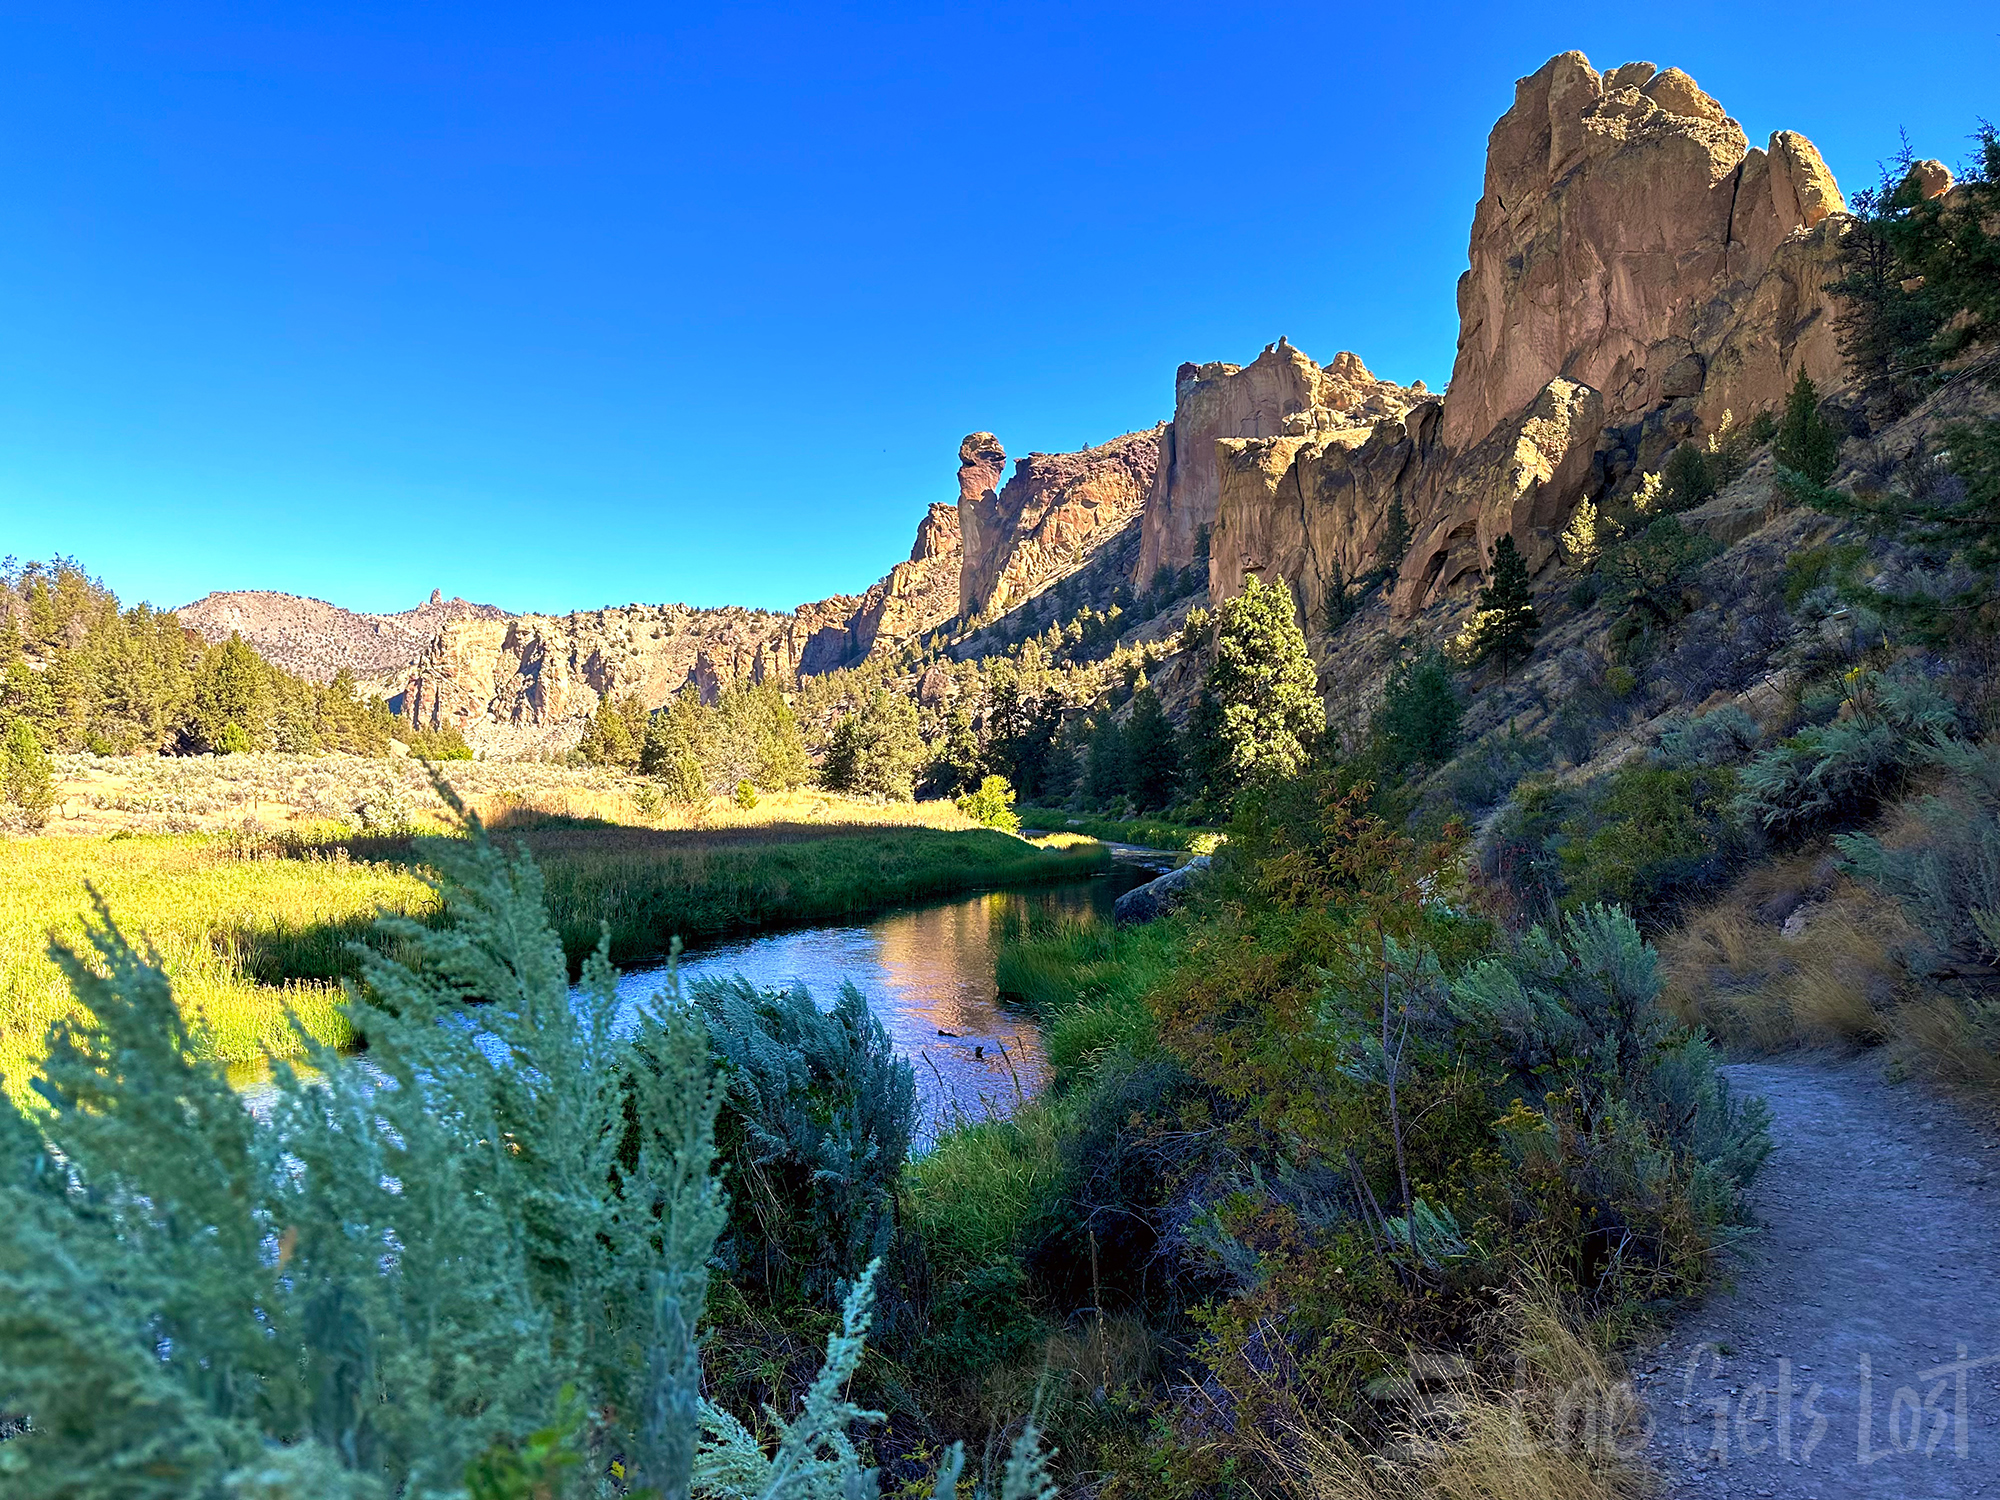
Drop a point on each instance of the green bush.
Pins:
(1948, 877)
(29, 778)
(817, 1114)
(746, 795)
(1840, 772)
(1719, 738)
(991, 805)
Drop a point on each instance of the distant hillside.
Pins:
(315, 639)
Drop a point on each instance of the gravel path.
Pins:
(1859, 1351)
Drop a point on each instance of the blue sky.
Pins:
(565, 306)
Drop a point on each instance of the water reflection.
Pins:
(927, 973)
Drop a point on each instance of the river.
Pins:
(927, 973)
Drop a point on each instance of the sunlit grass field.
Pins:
(256, 923)
(244, 933)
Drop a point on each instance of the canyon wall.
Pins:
(1056, 510)
(1281, 391)
(1636, 271)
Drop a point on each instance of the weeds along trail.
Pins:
(1858, 1353)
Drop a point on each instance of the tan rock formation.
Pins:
(1048, 518)
(315, 639)
(530, 684)
(1282, 391)
(1636, 270)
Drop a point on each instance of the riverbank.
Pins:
(255, 925)
(1145, 833)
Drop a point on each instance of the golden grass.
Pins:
(1835, 981)
(232, 793)
(246, 939)
(1562, 1423)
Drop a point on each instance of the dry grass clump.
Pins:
(1566, 1425)
(1785, 959)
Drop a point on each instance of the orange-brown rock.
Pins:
(1282, 391)
(1637, 269)
(1048, 518)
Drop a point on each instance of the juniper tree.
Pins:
(1504, 629)
(1807, 443)
(1263, 682)
(30, 781)
(1151, 753)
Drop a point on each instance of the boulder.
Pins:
(1156, 898)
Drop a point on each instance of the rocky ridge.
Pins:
(1637, 272)
(314, 639)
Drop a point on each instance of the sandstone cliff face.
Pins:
(1281, 391)
(1624, 229)
(529, 684)
(1636, 271)
(1046, 520)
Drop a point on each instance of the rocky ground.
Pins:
(1858, 1353)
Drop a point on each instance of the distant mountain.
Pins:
(315, 639)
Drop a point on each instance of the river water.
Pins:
(927, 973)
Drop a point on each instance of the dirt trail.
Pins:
(1859, 1351)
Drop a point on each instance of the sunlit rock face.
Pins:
(1637, 272)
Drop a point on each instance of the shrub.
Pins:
(1945, 870)
(817, 1113)
(1481, 777)
(1719, 738)
(992, 805)
(746, 795)
(1838, 773)
(1647, 578)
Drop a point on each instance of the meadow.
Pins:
(254, 917)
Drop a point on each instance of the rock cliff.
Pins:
(315, 639)
(1636, 270)
(1046, 520)
(1281, 391)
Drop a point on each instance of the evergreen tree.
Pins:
(1152, 754)
(1504, 629)
(954, 766)
(30, 780)
(609, 740)
(1104, 772)
(1396, 538)
(876, 751)
(1263, 682)
(1807, 443)
(992, 804)
(1418, 721)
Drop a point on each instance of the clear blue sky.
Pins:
(570, 305)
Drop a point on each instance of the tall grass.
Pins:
(649, 888)
(1087, 983)
(1568, 1426)
(254, 925)
(1150, 833)
(245, 937)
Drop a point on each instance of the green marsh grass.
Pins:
(246, 933)
(1148, 833)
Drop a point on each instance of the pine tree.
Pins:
(877, 750)
(1504, 630)
(1807, 443)
(1396, 538)
(1152, 754)
(1264, 685)
(1104, 771)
